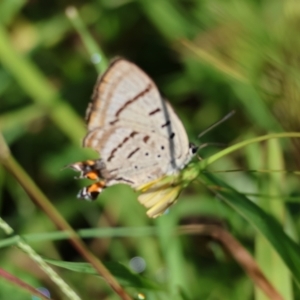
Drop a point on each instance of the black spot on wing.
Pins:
(146, 138)
(94, 195)
(172, 135)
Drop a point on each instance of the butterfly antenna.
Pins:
(229, 115)
(221, 145)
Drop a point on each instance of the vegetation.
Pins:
(233, 234)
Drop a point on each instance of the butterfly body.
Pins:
(136, 132)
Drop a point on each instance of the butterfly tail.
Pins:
(90, 169)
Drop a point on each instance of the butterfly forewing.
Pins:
(122, 92)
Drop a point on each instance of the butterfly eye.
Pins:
(193, 148)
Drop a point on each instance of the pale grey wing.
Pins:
(126, 105)
(126, 95)
(178, 143)
(164, 133)
(133, 158)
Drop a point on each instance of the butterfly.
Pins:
(138, 136)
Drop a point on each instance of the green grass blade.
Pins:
(96, 54)
(167, 18)
(10, 8)
(240, 145)
(268, 259)
(39, 89)
(287, 249)
(122, 273)
(172, 251)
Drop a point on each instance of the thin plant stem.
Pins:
(21, 243)
(242, 144)
(41, 200)
(96, 54)
(34, 83)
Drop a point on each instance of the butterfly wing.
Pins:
(136, 132)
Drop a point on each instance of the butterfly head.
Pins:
(193, 149)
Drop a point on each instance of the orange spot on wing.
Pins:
(92, 175)
(96, 187)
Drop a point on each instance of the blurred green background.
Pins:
(207, 57)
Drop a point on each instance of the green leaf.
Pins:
(122, 273)
(288, 250)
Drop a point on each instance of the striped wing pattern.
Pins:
(136, 132)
